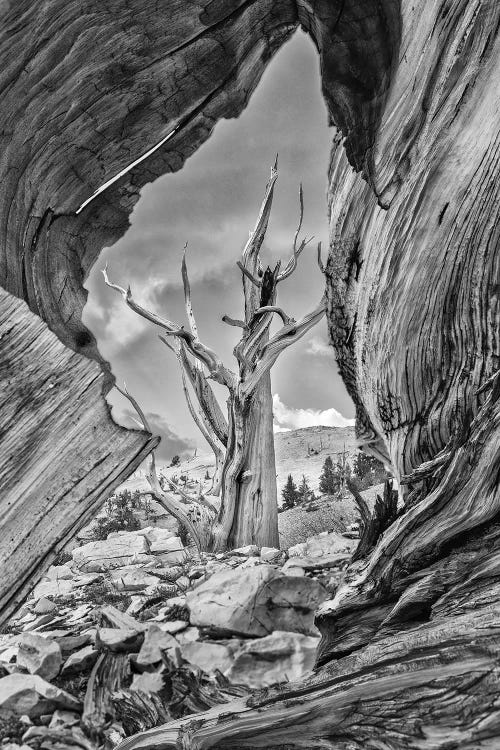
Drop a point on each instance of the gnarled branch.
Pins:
(284, 338)
(201, 352)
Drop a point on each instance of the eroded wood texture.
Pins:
(61, 453)
(87, 90)
(410, 646)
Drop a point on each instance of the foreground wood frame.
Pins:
(96, 104)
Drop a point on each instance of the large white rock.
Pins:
(59, 572)
(269, 554)
(207, 656)
(155, 642)
(39, 655)
(323, 544)
(115, 552)
(278, 657)
(30, 695)
(53, 588)
(170, 550)
(134, 580)
(158, 538)
(255, 602)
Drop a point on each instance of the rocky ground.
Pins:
(136, 630)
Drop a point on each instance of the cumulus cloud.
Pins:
(318, 347)
(288, 418)
(171, 443)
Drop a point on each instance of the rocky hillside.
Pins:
(298, 452)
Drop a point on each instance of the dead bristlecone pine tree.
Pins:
(242, 442)
(96, 104)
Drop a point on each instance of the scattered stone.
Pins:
(319, 562)
(148, 682)
(173, 626)
(250, 550)
(251, 562)
(170, 551)
(59, 572)
(207, 656)
(170, 574)
(80, 661)
(188, 635)
(136, 604)
(44, 606)
(159, 539)
(118, 639)
(270, 554)
(135, 580)
(61, 719)
(254, 602)
(183, 583)
(279, 657)
(114, 552)
(30, 694)
(155, 641)
(70, 643)
(53, 588)
(39, 655)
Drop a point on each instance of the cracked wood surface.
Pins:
(61, 452)
(411, 641)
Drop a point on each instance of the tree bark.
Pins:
(409, 657)
(249, 509)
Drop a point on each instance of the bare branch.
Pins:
(245, 272)
(284, 338)
(234, 322)
(292, 263)
(166, 500)
(206, 398)
(201, 352)
(278, 310)
(187, 295)
(320, 262)
(301, 217)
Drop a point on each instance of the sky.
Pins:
(212, 204)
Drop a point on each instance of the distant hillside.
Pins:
(298, 452)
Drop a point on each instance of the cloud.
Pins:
(287, 418)
(318, 347)
(171, 443)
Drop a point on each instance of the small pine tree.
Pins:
(329, 481)
(304, 491)
(175, 461)
(289, 493)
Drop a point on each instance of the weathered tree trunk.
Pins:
(411, 641)
(249, 477)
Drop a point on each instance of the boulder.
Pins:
(170, 550)
(158, 538)
(155, 642)
(255, 601)
(118, 639)
(148, 682)
(123, 549)
(55, 588)
(134, 580)
(279, 657)
(319, 562)
(269, 554)
(207, 656)
(44, 606)
(31, 695)
(80, 660)
(251, 550)
(59, 572)
(323, 544)
(39, 655)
